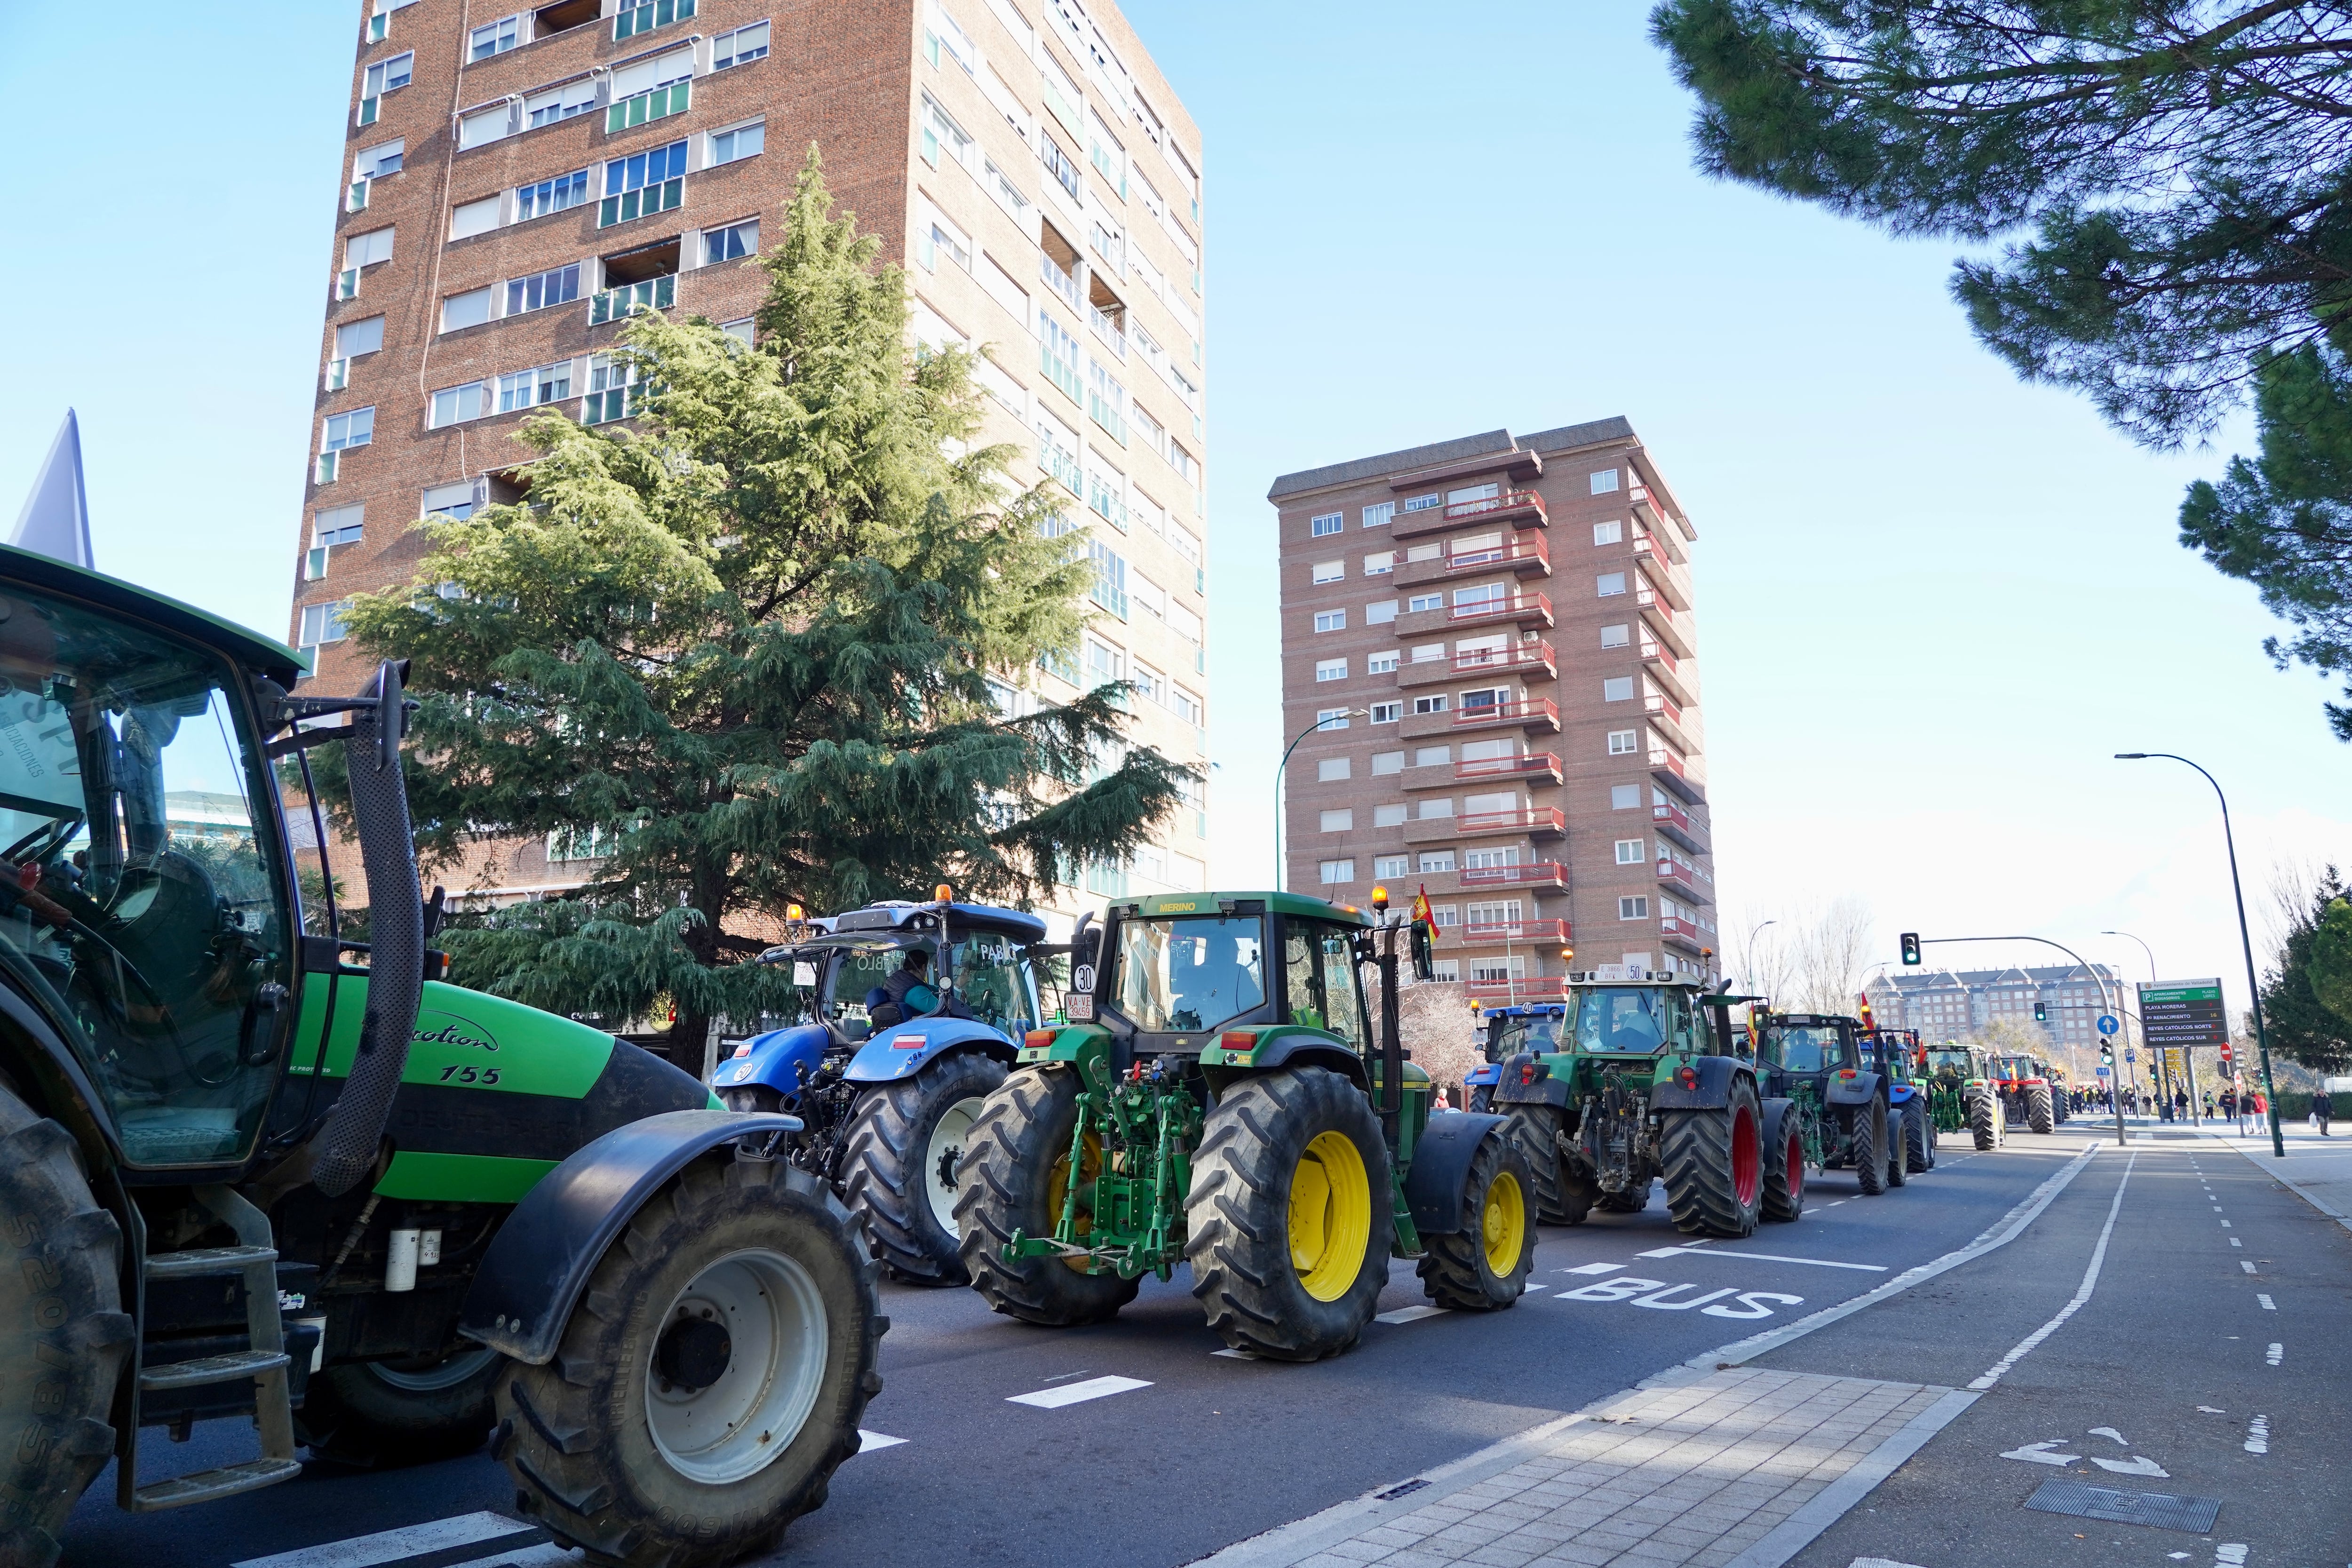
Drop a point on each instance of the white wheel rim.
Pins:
(739, 1424)
(447, 1373)
(940, 1157)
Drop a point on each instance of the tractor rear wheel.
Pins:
(1784, 1161)
(377, 1415)
(1899, 1146)
(1918, 1138)
(1484, 1265)
(710, 1379)
(2037, 1108)
(1016, 1175)
(1714, 1164)
(64, 1336)
(1482, 1099)
(899, 1163)
(1984, 1122)
(1535, 1131)
(1287, 1225)
(1868, 1150)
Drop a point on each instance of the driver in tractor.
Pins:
(907, 994)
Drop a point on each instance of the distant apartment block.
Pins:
(1950, 1004)
(1490, 645)
(516, 186)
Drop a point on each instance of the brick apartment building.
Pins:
(1488, 644)
(516, 185)
(1953, 1004)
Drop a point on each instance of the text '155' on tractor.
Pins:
(1635, 1077)
(914, 1012)
(2027, 1092)
(1217, 1099)
(1844, 1117)
(246, 1169)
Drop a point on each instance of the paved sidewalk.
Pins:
(1700, 1474)
(2319, 1169)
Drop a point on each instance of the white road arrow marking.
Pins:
(2110, 1432)
(2137, 1465)
(2040, 1454)
(1077, 1392)
(867, 1442)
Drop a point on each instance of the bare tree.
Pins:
(1764, 962)
(1830, 953)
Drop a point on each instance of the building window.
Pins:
(1608, 532)
(740, 47)
(1421, 602)
(1629, 851)
(1604, 481)
(557, 286)
(1338, 871)
(356, 428)
(732, 242)
(1380, 663)
(1611, 583)
(612, 380)
(1187, 706)
(1389, 815)
(644, 17)
(1330, 620)
(323, 623)
(1380, 614)
(1331, 670)
(1422, 503)
(644, 185)
(1340, 821)
(1621, 742)
(387, 76)
(1331, 719)
(453, 501)
(1482, 860)
(1109, 589)
(1624, 797)
(1386, 762)
(493, 39)
(1380, 514)
(1432, 756)
(1474, 493)
(1437, 860)
(1635, 907)
(1432, 704)
(1380, 565)
(555, 195)
(355, 337)
(1387, 712)
(1617, 688)
(1330, 770)
(1329, 522)
(941, 134)
(1616, 637)
(1426, 809)
(1388, 865)
(743, 142)
(456, 405)
(1330, 571)
(530, 388)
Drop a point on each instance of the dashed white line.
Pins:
(2268, 1305)
(2276, 1354)
(1994, 1373)
(1591, 1269)
(1077, 1392)
(2258, 1435)
(439, 1535)
(1408, 1314)
(2235, 1242)
(2247, 1263)
(1768, 1258)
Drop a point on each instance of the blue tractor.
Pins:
(911, 1014)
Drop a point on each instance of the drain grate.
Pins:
(1401, 1488)
(2158, 1511)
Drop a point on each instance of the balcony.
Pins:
(1676, 931)
(1520, 509)
(1652, 512)
(1514, 930)
(643, 201)
(1541, 874)
(1658, 618)
(1535, 714)
(614, 304)
(1535, 822)
(1061, 279)
(1667, 767)
(1541, 766)
(1666, 670)
(1530, 612)
(1685, 880)
(1672, 822)
(1667, 717)
(1524, 988)
(1662, 573)
(1527, 661)
(1525, 556)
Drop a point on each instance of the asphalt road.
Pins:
(1199, 1450)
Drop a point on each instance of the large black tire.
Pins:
(1898, 1147)
(1918, 1138)
(1291, 1163)
(610, 1444)
(1784, 1161)
(1016, 1165)
(2037, 1108)
(1483, 1267)
(1535, 1131)
(1984, 1122)
(899, 1163)
(1867, 1152)
(378, 1414)
(1482, 1099)
(64, 1336)
(1714, 1164)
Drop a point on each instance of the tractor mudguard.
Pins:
(1486, 1072)
(1711, 1092)
(1527, 1080)
(1299, 1047)
(775, 1060)
(1859, 1090)
(899, 1051)
(1441, 1159)
(541, 1259)
(1070, 1043)
(1901, 1094)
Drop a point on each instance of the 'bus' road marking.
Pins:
(1077, 1392)
(1766, 1257)
(435, 1536)
(1408, 1314)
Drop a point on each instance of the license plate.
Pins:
(1078, 1009)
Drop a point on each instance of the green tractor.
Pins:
(1964, 1093)
(243, 1173)
(1830, 1066)
(1217, 1099)
(1636, 1076)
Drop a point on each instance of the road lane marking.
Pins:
(2235, 1242)
(1593, 1268)
(1060, 1375)
(2276, 1354)
(2268, 1305)
(2247, 1263)
(1232, 1354)
(2024, 1347)
(2040, 1454)
(2225, 1224)
(409, 1540)
(1407, 1314)
(2258, 1435)
(1077, 1392)
(1768, 1258)
(869, 1442)
(2120, 1441)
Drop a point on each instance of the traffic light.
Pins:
(2106, 1054)
(1910, 947)
(2041, 1013)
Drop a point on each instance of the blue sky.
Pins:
(1933, 601)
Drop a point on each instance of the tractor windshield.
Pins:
(1946, 1062)
(1537, 1032)
(1631, 1019)
(993, 981)
(1804, 1047)
(1318, 966)
(141, 898)
(1189, 973)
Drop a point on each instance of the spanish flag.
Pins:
(1421, 911)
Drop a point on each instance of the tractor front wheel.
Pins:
(1714, 1164)
(1784, 1161)
(1484, 1265)
(710, 1379)
(1898, 1147)
(2037, 1108)
(1288, 1220)
(899, 1164)
(1866, 1149)
(1538, 1132)
(377, 1415)
(1984, 1122)
(1016, 1175)
(1918, 1137)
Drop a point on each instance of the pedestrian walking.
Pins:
(2209, 1105)
(2323, 1112)
(2180, 1105)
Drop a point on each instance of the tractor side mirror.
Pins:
(1425, 966)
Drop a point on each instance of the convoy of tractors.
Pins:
(253, 1168)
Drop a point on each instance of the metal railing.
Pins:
(1537, 710)
(1508, 767)
(1491, 609)
(1515, 930)
(1503, 501)
(1533, 819)
(612, 304)
(1550, 873)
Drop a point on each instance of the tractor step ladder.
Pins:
(254, 1259)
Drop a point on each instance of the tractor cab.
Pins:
(1956, 1065)
(1793, 1045)
(976, 965)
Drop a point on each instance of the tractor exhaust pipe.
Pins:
(348, 1143)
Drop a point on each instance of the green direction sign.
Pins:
(2183, 1014)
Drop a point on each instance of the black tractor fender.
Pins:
(1308, 1050)
(1860, 1089)
(1440, 1159)
(1523, 1080)
(539, 1262)
(1775, 1112)
(42, 1069)
(1712, 1092)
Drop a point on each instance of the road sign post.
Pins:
(2175, 1017)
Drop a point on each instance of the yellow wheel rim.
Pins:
(1057, 1192)
(1330, 1215)
(1503, 1228)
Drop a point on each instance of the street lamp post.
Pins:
(2254, 984)
(1747, 948)
(1281, 772)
